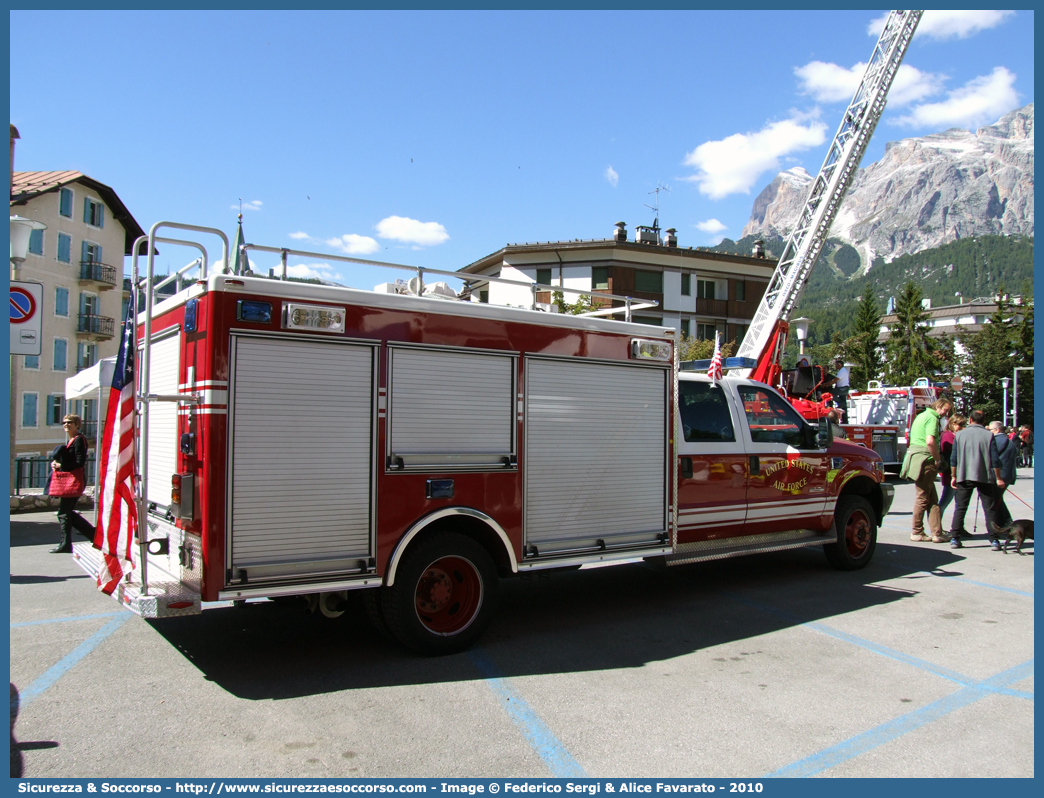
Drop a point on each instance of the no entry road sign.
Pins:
(26, 318)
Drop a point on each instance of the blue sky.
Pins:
(435, 138)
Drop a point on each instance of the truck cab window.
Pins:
(704, 412)
(771, 418)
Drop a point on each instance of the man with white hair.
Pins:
(974, 466)
(1008, 452)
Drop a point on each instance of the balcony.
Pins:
(94, 327)
(712, 307)
(100, 274)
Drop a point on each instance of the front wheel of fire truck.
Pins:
(856, 534)
(444, 596)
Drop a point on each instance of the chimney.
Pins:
(759, 249)
(672, 237)
(14, 135)
(926, 304)
(620, 233)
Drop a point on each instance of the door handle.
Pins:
(686, 468)
(755, 465)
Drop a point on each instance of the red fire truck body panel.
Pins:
(400, 500)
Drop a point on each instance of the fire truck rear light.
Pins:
(642, 349)
(314, 317)
(182, 495)
(178, 605)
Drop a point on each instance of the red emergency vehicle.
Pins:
(307, 440)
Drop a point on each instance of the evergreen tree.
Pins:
(864, 348)
(992, 354)
(909, 353)
(1024, 356)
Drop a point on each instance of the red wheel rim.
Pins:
(449, 594)
(857, 534)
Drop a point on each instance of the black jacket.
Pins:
(71, 455)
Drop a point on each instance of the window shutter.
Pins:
(64, 245)
(86, 210)
(83, 252)
(59, 354)
(98, 254)
(101, 218)
(29, 410)
(83, 303)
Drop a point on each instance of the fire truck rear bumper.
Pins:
(163, 599)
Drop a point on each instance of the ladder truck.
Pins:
(760, 353)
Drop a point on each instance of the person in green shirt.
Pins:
(921, 464)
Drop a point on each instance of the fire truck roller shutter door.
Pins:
(164, 363)
(302, 438)
(595, 456)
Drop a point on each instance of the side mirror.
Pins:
(825, 434)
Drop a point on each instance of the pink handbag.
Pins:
(67, 484)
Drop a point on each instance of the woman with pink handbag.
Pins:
(67, 483)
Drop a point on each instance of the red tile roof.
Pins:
(28, 185)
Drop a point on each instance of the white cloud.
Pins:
(253, 205)
(352, 244)
(411, 231)
(611, 177)
(948, 24)
(321, 271)
(830, 83)
(911, 85)
(980, 101)
(712, 226)
(733, 165)
(299, 236)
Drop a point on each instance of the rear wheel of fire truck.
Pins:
(444, 596)
(856, 534)
(375, 612)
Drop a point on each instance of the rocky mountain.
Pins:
(924, 192)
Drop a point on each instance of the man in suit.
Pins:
(1008, 452)
(975, 466)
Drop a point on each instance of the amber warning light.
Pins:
(642, 349)
(313, 317)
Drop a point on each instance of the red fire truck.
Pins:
(308, 440)
(880, 417)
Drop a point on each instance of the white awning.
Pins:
(87, 382)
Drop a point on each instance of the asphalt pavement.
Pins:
(920, 665)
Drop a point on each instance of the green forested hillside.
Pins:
(974, 267)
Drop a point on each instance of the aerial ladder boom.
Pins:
(767, 333)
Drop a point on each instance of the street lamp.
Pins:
(21, 230)
(1004, 413)
(800, 328)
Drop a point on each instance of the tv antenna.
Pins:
(656, 208)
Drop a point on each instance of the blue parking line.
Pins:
(967, 581)
(65, 620)
(886, 732)
(558, 760)
(63, 666)
(876, 648)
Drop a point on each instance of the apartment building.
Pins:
(967, 317)
(699, 292)
(78, 259)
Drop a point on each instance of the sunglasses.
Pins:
(68, 424)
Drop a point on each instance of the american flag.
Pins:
(117, 511)
(714, 372)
